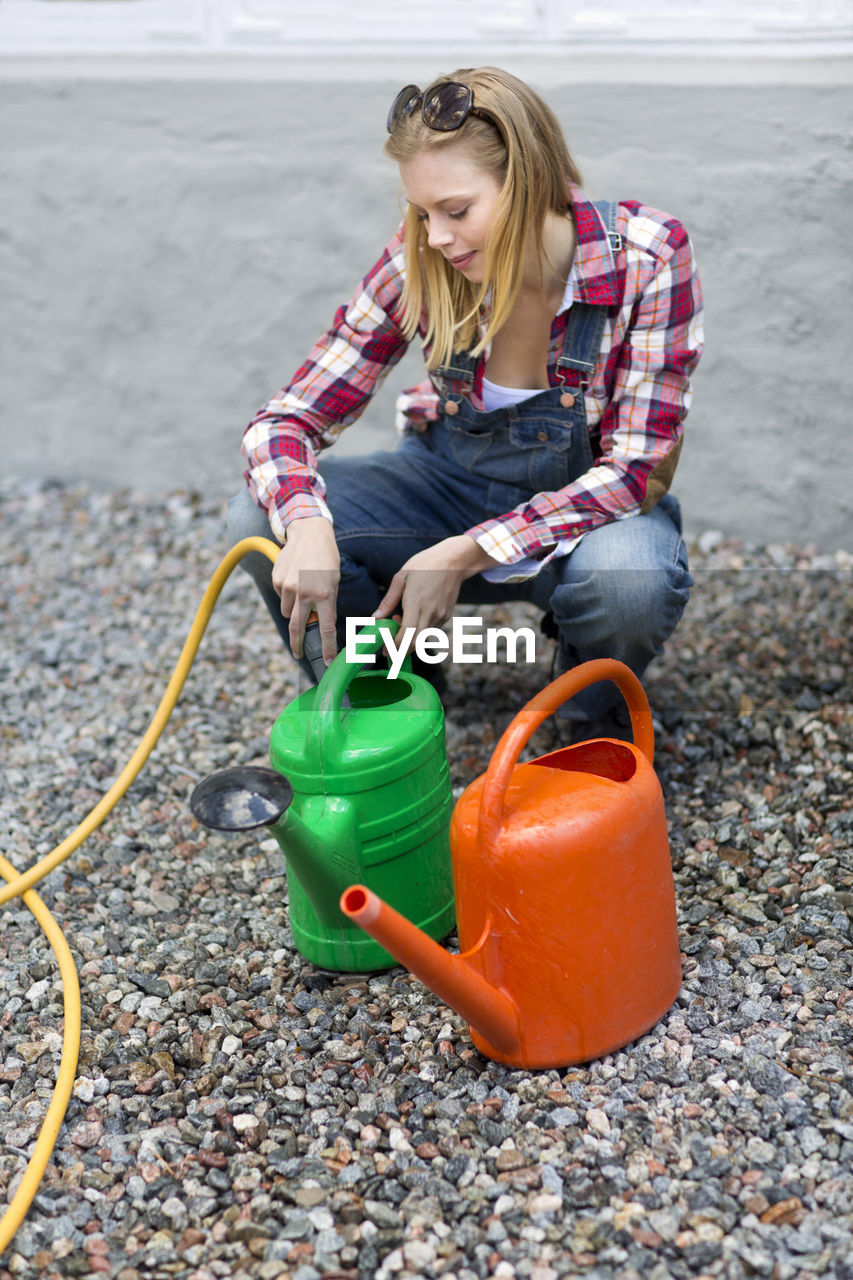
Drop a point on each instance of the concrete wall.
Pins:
(171, 243)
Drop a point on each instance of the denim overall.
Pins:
(618, 594)
(536, 446)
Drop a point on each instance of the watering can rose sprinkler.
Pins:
(359, 789)
(564, 893)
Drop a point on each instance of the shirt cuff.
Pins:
(299, 507)
(511, 542)
(510, 539)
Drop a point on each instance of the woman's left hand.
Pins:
(425, 589)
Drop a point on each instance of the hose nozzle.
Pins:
(312, 647)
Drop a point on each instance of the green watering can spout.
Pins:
(248, 797)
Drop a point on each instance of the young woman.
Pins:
(535, 461)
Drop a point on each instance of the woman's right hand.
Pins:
(306, 575)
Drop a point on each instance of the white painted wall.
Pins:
(804, 27)
(174, 232)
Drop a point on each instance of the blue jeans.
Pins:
(619, 594)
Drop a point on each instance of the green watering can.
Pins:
(359, 792)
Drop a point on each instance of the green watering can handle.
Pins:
(324, 739)
(537, 711)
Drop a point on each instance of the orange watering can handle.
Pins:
(537, 711)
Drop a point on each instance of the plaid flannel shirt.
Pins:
(636, 398)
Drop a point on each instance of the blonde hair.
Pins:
(526, 152)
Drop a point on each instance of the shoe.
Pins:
(613, 724)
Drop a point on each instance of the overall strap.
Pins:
(585, 327)
(609, 211)
(581, 343)
(455, 379)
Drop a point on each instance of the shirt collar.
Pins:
(595, 276)
(568, 293)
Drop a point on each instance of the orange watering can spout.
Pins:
(456, 979)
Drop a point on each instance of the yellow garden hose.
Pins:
(29, 1185)
(21, 886)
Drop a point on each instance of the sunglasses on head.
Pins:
(445, 106)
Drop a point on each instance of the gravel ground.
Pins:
(238, 1113)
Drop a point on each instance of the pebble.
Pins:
(238, 1112)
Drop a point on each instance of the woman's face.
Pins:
(455, 198)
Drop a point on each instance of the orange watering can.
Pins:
(564, 893)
